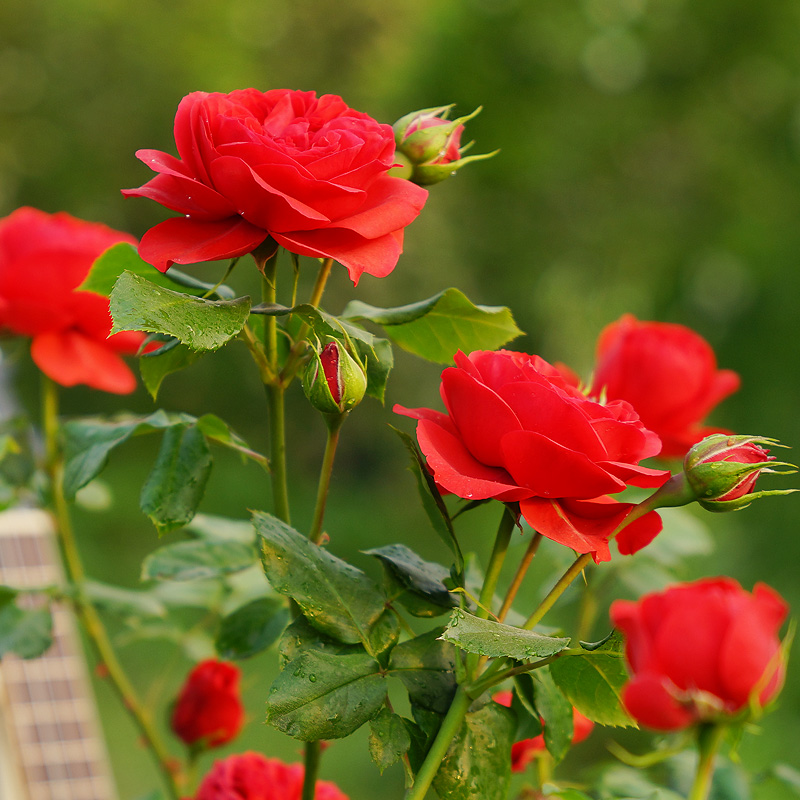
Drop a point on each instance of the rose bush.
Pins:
(668, 373)
(525, 750)
(43, 259)
(208, 711)
(307, 171)
(700, 650)
(251, 776)
(517, 430)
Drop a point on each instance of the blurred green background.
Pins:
(650, 164)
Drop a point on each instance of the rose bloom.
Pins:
(208, 711)
(307, 171)
(524, 751)
(251, 776)
(43, 259)
(517, 430)
(700, 651)
(668, 373)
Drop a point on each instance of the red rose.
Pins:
(250, 776)
(668, 373)
(517, 430)
(307, 171)
(700, 650)
(524, 751)
(208, 711)
(43, 259)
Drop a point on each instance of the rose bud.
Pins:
(208, 711)
(721, 471)
(429, 145)
(525, 750)
(701, 652)
(251, 776)
(334, 381)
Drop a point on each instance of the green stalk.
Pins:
(311, 759)
(561, 585)
(522, 569)
(709, 738)
(501, 541)
(89, 617)
(275, 395)
(441, 744)
(315, 534)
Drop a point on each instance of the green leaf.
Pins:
(478, 764)
(426, 666)
(220, 432)
(556, 712)
(494, 639)
(319, 695)
(124, 257)
(126, 602)
(334, 596)
(431, 498)
(88, 442)
(523, 704)
(389, 739)
(154, 369)
(252, 628)
(593, 681)
(25, 632)
(423, 580)
(438, 327)
(140, 305)
(176, 484)
(566, 794)
(210, 526)
(302, 635)
(379, 360)
(186, 561)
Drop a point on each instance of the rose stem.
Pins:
(315, 534)
(289, 369)
(501, 540)
(450, 727)
(89, 617)
(709, 738)
(533, 546)
(275, 392)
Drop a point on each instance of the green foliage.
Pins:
(187, 561)
(334, 596)
(252, 628)
(137, 304)
(422, 582)
(176, 484)
(436, 328)
(478, 763)
(431, 498)
(389, 739)
(319, 695)
(556, 712)
(123, 257)
(154, 368)
(426, 666)
(593, 681)
(494, 639)
(26, 632)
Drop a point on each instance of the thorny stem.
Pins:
(313, 750)
(88, 615)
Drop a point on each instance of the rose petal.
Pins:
(648, 700)
(639, 533)
(550, 470)
(71, 358)
(186, 241)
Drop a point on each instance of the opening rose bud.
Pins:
(722, 470)
(429, 145)
(334, 381)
